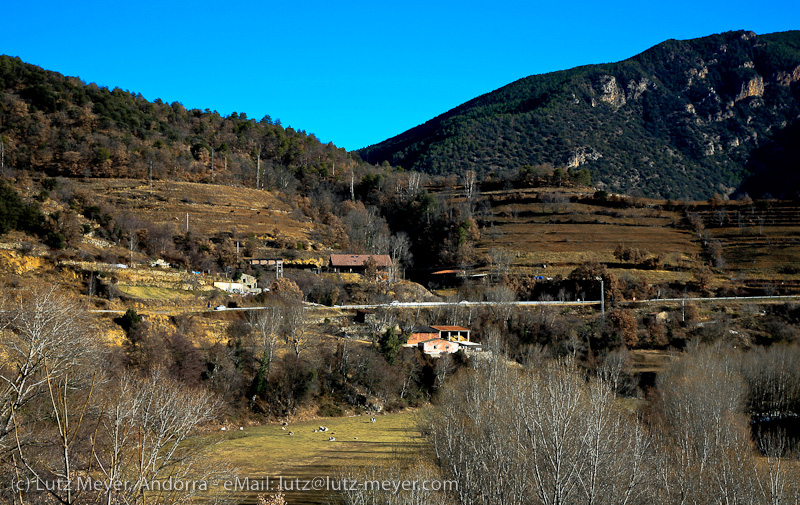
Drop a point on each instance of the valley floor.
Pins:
(266, 454)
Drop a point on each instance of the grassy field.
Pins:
(269, 451)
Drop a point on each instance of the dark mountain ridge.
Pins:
(684, 119)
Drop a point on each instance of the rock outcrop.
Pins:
(752, 88)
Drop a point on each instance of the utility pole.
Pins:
(187, 222)
(150, 174)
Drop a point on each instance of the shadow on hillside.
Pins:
(774, 167)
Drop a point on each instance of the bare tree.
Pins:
(445, 366)
(470, 188)
(63, 419)
(44, 335)
(414, 179)
(266, 325)
(703, 448)
(141, 439)
(501, 297)
(380, 322)
(775, 483)
(500, 261)
(560, 440)
(400, 249)
(60, 466)
(296, 328)
(614, 370)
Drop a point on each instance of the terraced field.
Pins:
(758, 242)
(566, 230)
(210, 208)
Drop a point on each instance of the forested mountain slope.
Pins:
(684, 119)
(63, 126)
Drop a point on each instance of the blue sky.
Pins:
(352, 73)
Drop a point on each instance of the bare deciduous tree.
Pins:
(296, 327)
(560, 439)
(703, 448)
(266, 325)
(141, 439)
(44, 335)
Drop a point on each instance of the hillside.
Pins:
(753, 246)
(62, 126)
(684, 119)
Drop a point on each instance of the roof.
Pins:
(443, 272)
(424, 329)
(450, 328)
(359, 260)
(415, 338)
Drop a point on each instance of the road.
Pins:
(414, 305)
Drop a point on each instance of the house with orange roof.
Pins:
(421, 334)
(358, 263)
(448, 333)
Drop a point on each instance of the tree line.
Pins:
(558, 433)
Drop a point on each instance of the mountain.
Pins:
(684, 119)
(60, 125)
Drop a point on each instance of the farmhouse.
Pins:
(421, 334)
(437, 346)
(449, 333)
(358, 263)
(247, 284)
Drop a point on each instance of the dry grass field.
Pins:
(562, 228)
(211, 208)
(577, 243)
(563, 235)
